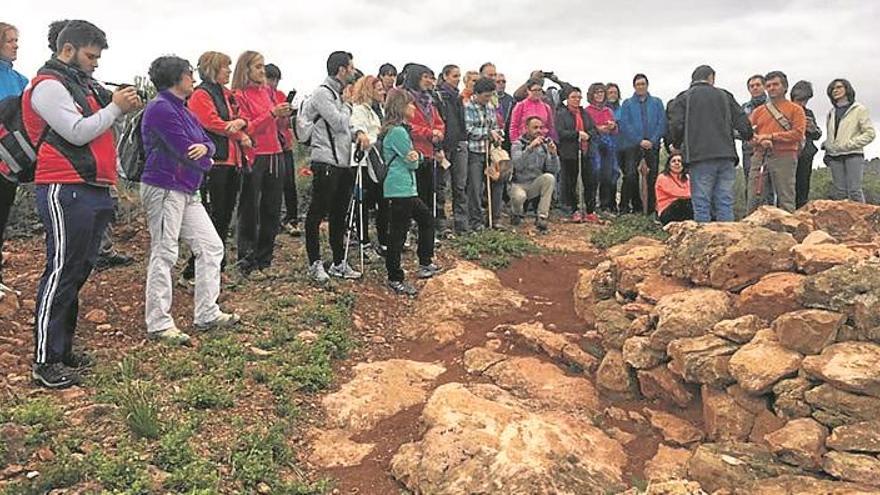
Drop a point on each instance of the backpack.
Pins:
(377, 169)
(303, 126)
(130, 149)
(17, 152)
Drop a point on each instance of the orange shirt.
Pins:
(669, 188)
(784, 142)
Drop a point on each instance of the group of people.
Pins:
(400, 142)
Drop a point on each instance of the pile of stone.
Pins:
(773, 325)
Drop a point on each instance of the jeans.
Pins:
(403, 212)
(846, 176)
(605, 168)
(712, 189)
(331, 191)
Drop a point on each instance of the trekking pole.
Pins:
(578, 180)
(434, 189)
(360, 203)
(488, 186)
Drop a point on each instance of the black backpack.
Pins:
(16, 149)
(130, 149)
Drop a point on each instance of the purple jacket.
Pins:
(169, 129)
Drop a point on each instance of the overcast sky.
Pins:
(582, 41)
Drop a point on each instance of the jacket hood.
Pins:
(414, 76)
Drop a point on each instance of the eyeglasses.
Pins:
(501, 81)
(536, 90)
(838, 86)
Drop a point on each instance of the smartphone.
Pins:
(548, 74)
(291, 95)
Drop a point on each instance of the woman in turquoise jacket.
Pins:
(400, 189)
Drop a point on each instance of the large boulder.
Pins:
(808, 331)
(702, 360)
(733, 465)
(834, 407)
(480, 439)
(758, 365)
(846, 221)
(852, 289)
(584, 297)
(779, 220)
(612, 323)
(724, 417)
(800, 442)
(688, 314)
(851, 366)
(728, 256)
(858, 468)
(857, 437)
(816, 258)
(661, 384)
(774, 295)
(633, 267)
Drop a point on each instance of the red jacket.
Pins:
(255, 104)
(284, 124)
(422, 131)
(60, 162)
(202, 105)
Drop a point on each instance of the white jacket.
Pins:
(856, 131)
(364, 119)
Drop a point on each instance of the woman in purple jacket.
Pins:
(178, 155)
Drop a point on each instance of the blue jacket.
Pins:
(630, 120)
(11, 82)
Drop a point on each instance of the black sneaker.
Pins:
(428, 271)
(515, 220)
(403, 288)
(112, 260)
(381, 250)
(542, 225)
(78, 360)
(55, 375)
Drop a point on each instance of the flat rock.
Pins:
(480, 439)
(758, 365)
(674, 430)
(801, 442)
(846, 221)
(656, 286)
(834, 407)
(775, 294)
(852, 289)
(661, 384)
(779, 220)
(689, 314)
(808, 331)
(637, 352)
(733, 465)
(816, 258)
(668, 463)
(379, 390)
(447, 300)
(858, 468)
(553, 344)
(856, 437)
(636, 265)
(818, 237)
(804, 485)
(739, 330)
(97, 316)
(851, 366)
(334, 448)
(702, 360)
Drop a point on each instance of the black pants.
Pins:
(259, 211)
(677, 211)
(331, 193)
(630, 195)
(425, 182)
(403, 212)
(7, 198)
(802, 179)
(374, 199)
(291, 202)
(219, 196)
(570, 171)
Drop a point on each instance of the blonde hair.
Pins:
(364, 91)
(471, 74)
(4, 28)
(209, 65)
(240, 78)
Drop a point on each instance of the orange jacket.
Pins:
(784, 142)
(668, 188)
(206, 113)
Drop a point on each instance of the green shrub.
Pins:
(205, 392)
(123, 471)
(137, 404)
(259, 456)
(624, 228)
(36, 412)
(493, 248)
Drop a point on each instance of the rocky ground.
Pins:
(730, 358)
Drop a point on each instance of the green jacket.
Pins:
(401, 179)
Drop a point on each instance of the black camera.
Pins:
(141, 93)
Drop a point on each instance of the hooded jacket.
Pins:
(333, 116)
(427, 119)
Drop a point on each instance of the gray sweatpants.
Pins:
(541, 187)
(173, 216)
(846, 175)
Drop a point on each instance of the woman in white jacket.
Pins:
(849, 130)
(368, 96)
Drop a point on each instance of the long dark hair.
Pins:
(667, 170)
(850, 92)
(395, 109)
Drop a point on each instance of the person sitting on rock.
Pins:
(535, 163)
(673, 192)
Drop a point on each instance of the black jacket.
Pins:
(451, 110)
(701, 123)
(568, 135)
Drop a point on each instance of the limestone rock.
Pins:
(668, 464)
(739, 330)
(636, 265)
(779, 220)
(480, 439)
(857, 437)
(553, 344)
(661, 384)
(859, 468)
(674, 429)
(847, 221)
(774, 295)
(808, 331)
(789, 400)
(818, 237)
(615, 376)
(379, 390)
(852, 289)
(800, 442)
(584, 298)
(638, 353)
(833, 407)
(733, 465)
(689, 314)
(727, 256)
(724, 418)
(612, 324)
(334, 448)
(635, 242)
(656, 286)
(811, 259)
(702, 360)
(804, 485)
(464, 292)
(851, 366)
(97, 316)
(758, 365)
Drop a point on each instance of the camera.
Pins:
(548, 75)
(291, 95)
(547, 140)
(141, 93)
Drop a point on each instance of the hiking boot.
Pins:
(223, 321)
(318, 273)
(171, 335)
(112, 260)
(403, 288)
(345, 271)
(188, 283)
(542, 225)
(54, 375)
(516, 220)
(428, 271)
(78, 360)
(381, 249)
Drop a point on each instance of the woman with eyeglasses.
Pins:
(849, 131)
(533, 106)
(178, 155)
(576, 128)
(604, 147)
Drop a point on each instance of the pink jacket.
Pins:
(528, 108)
(256, 104)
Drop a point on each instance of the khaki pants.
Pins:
(173, 216)
(782, 173)
(541, 187)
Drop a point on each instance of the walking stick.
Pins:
(759, 179)
(488, 186)
(578, 180)
(360, 192)
(434, 188)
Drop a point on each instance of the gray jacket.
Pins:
(529, 164)
(334, 114)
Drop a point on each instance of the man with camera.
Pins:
(535, 165)
(76, 167)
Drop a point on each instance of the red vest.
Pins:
(60, 162)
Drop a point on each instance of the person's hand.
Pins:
(363, 140)
(612, 125)
(282, 110)
(767, 144)
(537, 74)
(646, 145)
(412, 156)
(436, 136)
(495, 136)
(583, 136)
(236, 125)
(538, 141)
(246, 141)
(439, 155)
(127, 99)
(551, 146)
(196, 151)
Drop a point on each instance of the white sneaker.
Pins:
(318, 273)
(344, 270)
(222, 321)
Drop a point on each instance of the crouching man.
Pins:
(535, 165)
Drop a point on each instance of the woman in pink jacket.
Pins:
(533, 106)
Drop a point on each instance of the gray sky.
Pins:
(583, 42)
